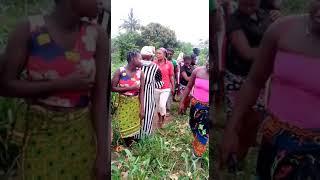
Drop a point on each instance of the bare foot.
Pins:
(162, 121)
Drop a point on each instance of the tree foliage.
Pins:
(185, 47)
(131, 24)
(155, 34)
(124, 43)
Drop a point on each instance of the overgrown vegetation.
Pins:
(166, 154)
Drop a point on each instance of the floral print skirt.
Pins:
(199, 122)
(288, 152)
(233, 85)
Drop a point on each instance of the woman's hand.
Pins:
(182, 108)
(101, 167)
(135, 88)
(77, 81)
(172, 91)
(142, 114)
(275, 14)
(229, 146)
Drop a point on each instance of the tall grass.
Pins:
(166, 154)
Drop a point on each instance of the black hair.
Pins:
(193, 56)
(56, 1)
(185, 58)
(196, 51)
(170, 50)
(131, 55)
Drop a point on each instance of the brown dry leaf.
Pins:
(118, 148)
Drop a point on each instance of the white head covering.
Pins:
(180, 58)
(148, 50)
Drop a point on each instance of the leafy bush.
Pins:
(294, 6)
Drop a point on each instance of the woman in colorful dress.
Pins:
(162, 94)
(290, 55)
(199, 111)
(152, 80)
(61, 126)
(128, 81)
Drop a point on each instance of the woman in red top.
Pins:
(162, 95)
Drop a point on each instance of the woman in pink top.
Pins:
(290, 55)
(199, 119)
(162, 95)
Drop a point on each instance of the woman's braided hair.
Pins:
(131, 55)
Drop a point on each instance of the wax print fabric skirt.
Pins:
(288, 152)
(233, 85)
(128, 110)
(53, 145)
(199, 122)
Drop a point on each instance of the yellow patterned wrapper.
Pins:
(72, 56)
(43, 39)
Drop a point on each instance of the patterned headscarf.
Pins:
(164, 51)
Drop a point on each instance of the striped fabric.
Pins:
(153, 79)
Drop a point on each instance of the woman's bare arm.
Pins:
(172, 76)
(141, 94)
(241, 44)
(99, 99)
(259, 74)
(190, 85)
(185, 76)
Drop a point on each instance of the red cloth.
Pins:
(167, 72)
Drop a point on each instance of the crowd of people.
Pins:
(149, 83)
(269, 63)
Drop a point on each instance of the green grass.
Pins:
(165, 154)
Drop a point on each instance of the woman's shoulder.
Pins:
(285, 25)
(198, 69)
(290, 20)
